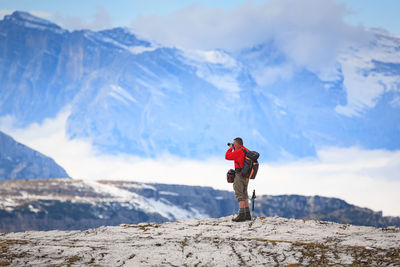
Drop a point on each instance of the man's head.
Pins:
(237, 142)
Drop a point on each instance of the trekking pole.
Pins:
(252, 203)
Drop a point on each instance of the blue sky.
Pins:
(370, 13)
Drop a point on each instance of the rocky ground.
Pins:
(207, 242)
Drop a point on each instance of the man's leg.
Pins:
(242, 212)
(246, 202)
(240, 188)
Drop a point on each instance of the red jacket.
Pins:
(237, 155)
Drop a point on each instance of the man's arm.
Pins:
(229, 155)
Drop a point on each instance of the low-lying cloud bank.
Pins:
(367, 178)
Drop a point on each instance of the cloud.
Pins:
(4, 12)
(101, 20)
(367, 178)
(311, 33)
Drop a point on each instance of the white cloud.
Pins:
(101, 20)
(311, 33)
(367, 178)
(4, 12)
(41, 14)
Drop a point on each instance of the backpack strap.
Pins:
(244, 155)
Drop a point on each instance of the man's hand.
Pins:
(231, 145)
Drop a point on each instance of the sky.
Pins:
(103, 13)
(368, 178)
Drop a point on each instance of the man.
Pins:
(240, 183)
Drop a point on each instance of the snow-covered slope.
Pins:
(266, 241)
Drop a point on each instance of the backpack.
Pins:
(250, 165)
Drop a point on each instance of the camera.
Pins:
(229, 144)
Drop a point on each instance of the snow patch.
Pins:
(363, 83)
(167, 210)
(110, 190)
(29, 18)
(29, 21)
(33, 209)
(121, 94)
(43, 27)
(162, 206)
(168, 193)
(226, 69)
(227, 82)
(141, 49)
(211, 56)
(9, 209)
(139, 186)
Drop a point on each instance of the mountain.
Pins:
(18, 161)
(266, 241)
(134, 96)
(66, 204)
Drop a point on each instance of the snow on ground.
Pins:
(207, 242)
(161, 206)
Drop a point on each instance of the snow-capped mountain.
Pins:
(66, 204)
(133, 96)
(266, 241)
(18, 161)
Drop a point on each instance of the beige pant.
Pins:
(240, 187)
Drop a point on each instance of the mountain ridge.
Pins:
(26, 19)
(18, 161)
(69, 204)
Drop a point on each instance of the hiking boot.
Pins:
(248, 216)
(240, 218)
(247, 213)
